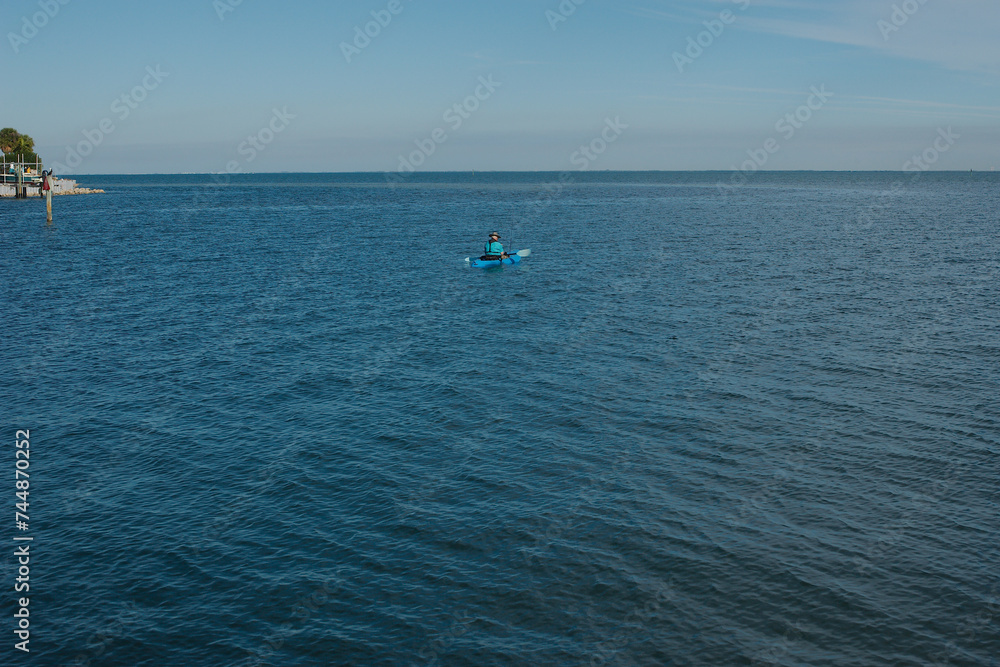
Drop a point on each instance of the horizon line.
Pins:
(534, 171)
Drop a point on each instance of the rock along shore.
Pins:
(60, 186)
(80, 191)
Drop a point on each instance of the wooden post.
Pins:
(19, 172)
(46, 188)
(47, 184)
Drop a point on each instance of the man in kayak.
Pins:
(493, 250)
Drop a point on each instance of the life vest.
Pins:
(488, 252)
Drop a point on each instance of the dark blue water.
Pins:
(281, 422)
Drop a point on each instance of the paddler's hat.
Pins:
(496, 234)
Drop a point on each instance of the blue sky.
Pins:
(226, 71)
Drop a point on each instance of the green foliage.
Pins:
(14, 144)
(9, 138)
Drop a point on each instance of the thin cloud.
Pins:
(957, 34)
(743, 96)
(864, 98)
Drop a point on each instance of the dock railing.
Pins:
(14, 170)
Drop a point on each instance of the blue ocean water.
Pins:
(280, 421)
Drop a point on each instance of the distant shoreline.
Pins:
(542, 171)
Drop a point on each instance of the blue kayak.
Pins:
(485, 263)
(513, 258)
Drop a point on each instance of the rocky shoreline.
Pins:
(60, 186)
(80, 191)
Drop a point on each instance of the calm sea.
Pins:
(280, 421)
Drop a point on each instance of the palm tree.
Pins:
(17, 146)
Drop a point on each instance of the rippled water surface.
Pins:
(281, 422)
